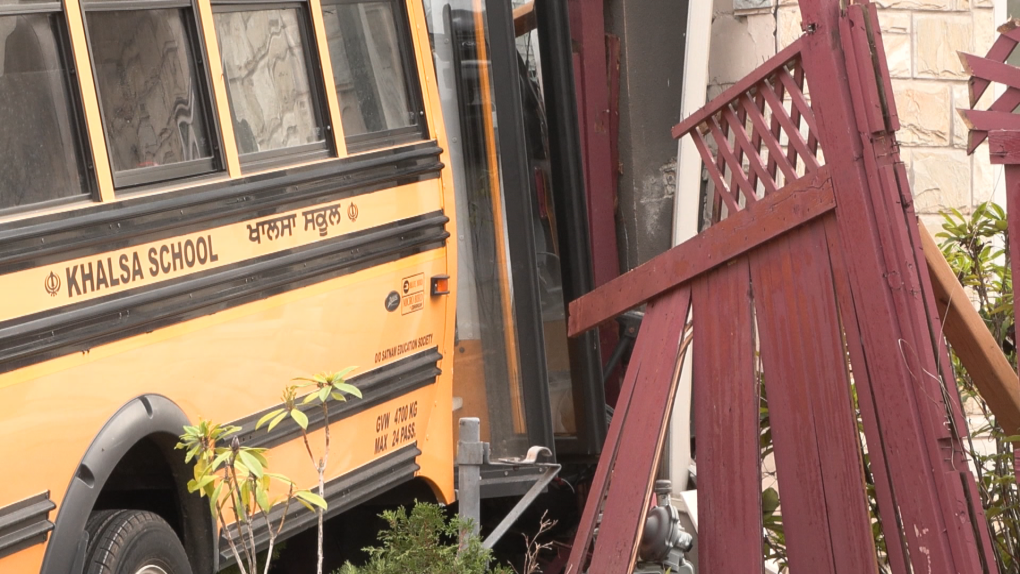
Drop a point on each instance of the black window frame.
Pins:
(282, 157)
(405, 45)
(78, 127)
(156, 176)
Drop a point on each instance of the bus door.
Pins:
(514, 367)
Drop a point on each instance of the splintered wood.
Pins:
(812, 269)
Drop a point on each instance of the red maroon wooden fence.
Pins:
(811, 279)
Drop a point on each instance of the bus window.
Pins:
(373, 72)
(273, 100)
(151, 93)
(39, 142)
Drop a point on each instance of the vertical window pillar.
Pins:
(326, 71)
(89, 99)
(219, 87)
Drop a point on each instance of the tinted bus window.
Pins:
(154, 111)
(370, 69)
(266, 63)
(38, 142)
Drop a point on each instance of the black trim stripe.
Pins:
(98, 228)
(29, 340)
(25, 523)
(377, 386)
(342, 493)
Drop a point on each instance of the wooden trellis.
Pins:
(813, 263)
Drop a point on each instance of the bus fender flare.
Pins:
(141, 417)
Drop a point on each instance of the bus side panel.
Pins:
(233, 364)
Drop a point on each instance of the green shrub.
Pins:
(425, 542)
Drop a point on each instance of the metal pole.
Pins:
(470, 457)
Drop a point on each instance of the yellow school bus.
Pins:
(203, 199)
(200, 201)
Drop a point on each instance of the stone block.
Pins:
(924, 110)
(985, 177)
(961, 99)
(788, 26)
(898, 53)
(739, 45)
(984, 30)
(894, 21)
(942, 179)
(945, 5)
(938, 39)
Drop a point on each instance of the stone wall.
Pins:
(922, 38)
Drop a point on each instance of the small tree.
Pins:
(235, 479)
(328, 387)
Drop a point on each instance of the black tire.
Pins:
(128, 541)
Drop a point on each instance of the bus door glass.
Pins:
(487, 381)
(547, 248)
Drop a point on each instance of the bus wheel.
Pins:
(133, 542)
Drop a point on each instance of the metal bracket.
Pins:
(472, 453)
(549, 472)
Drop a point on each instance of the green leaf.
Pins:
(323, 394)
(348, 388)
(309, 398)
(311, 498)
(267, 417)
(276, 421)
(280, 477)
(300, 418)
(769, 501)
(220, 459)
(343, 373)
(215, 498)
(250, 462)
(201, 484)
(262, 499)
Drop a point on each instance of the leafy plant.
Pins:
(425, 542)
(236, 479)
(977, 248)
(327, 387)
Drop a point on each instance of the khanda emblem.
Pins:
(352, 212)
(52, 284)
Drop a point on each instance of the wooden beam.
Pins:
(795, 204)
(969, 336)
(524, 19)
(1004, 147)
(650, 372)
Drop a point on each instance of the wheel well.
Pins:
(131, 463)
(153, 476)
(144, 480)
